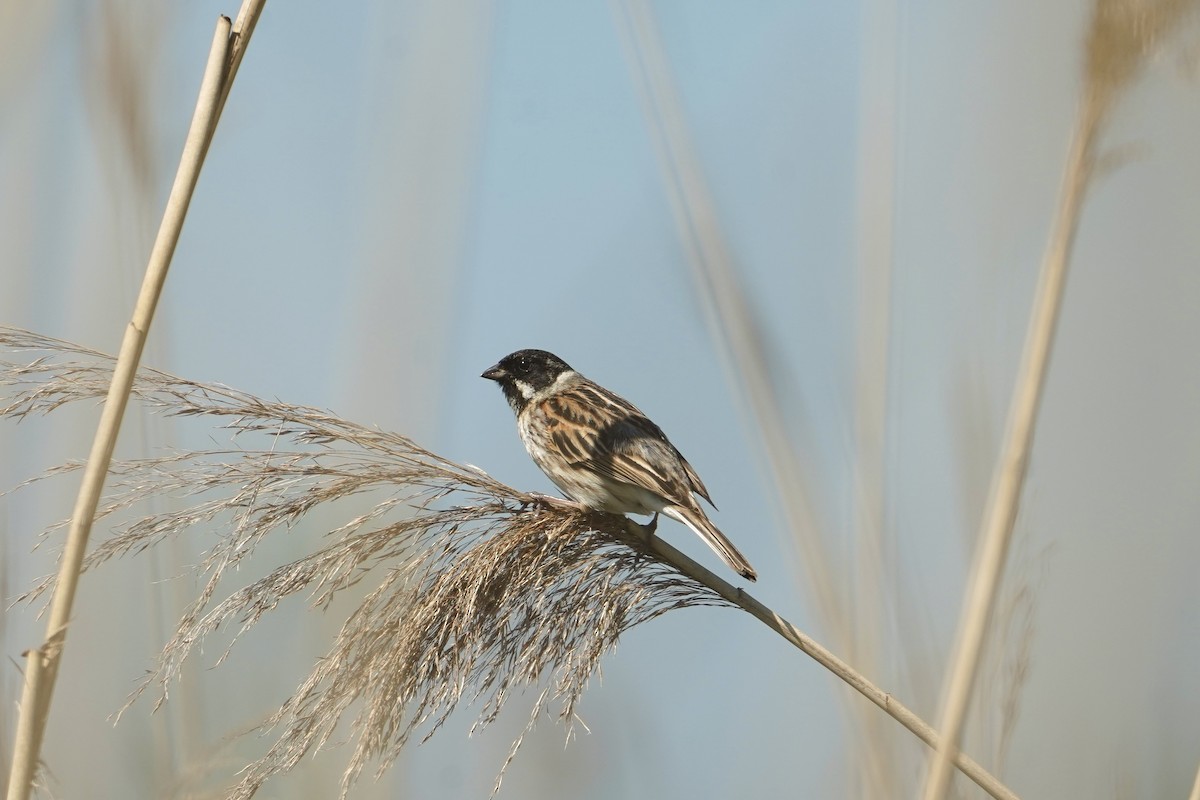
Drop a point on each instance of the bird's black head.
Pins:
(525, 373)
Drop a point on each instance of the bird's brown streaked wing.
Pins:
(694, 480)
(601, 432)
(646, 427)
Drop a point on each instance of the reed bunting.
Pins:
(601, 451)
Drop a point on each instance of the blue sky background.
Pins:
(399, 194)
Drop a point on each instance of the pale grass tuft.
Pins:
(479, 591)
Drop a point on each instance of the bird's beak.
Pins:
(494, 373)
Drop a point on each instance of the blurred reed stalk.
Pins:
(122, 39)
(875, 575)
(484, 590)
(727, 310)
(731, 319)
(225, 56)
(1122, 34)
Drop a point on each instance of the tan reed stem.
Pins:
(42, 669)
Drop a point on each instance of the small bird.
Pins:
(602, 451)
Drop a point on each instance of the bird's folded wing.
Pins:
(605, 434)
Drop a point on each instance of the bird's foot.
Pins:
(546, 501)
(647, 532)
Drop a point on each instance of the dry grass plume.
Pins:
(480, 591)
(475, 591)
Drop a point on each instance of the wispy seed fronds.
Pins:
(478, 591)
(1123, 34)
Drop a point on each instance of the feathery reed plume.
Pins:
(1122, 34)
(479, 590)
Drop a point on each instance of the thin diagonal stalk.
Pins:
(1195, 795)
(42, 668)
(831, 662)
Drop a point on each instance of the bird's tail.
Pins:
(700, 524)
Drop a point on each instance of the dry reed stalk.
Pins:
(1122, 34)
(481, 590)
(42, 668)
(1195, 794)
